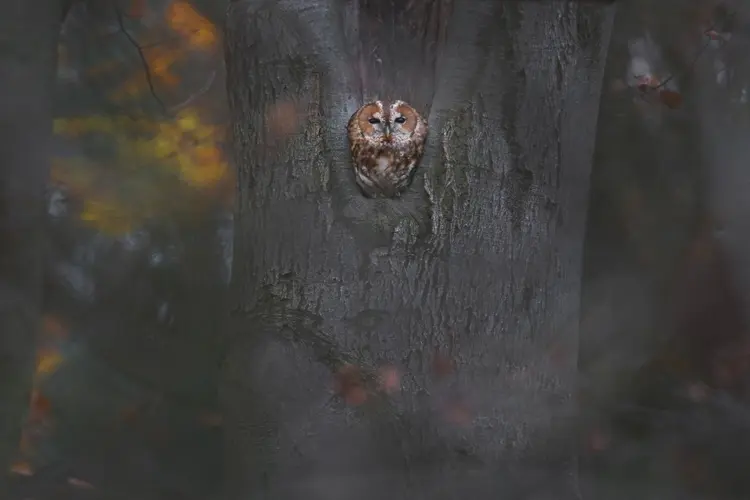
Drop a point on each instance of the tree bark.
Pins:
(28, 48)
(468, 286)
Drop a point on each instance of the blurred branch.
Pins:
(149, 80)
(707, 32)
(196, 95)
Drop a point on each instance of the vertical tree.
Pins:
(28, 43)
(446, 319)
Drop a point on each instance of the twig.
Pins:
(698, 53)
(146, 68)
(193, 97)
(690, 67)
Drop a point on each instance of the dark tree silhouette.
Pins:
(479, 264)
(28, 37)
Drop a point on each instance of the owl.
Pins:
(386, 142)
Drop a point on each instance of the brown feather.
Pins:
(384, 166)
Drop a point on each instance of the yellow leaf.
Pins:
(47, 362)
(163, 147)
(188, 121)
(203, 176)
(204, 132)
(108, 218)
(207, 155)
(98, 124)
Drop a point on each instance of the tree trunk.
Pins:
(28, 44)
(724, 126)
(467, 288)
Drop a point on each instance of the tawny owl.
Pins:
(386, 142)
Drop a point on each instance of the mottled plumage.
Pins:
(386, 142)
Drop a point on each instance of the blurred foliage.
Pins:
(138, 174)
(155, 167)
(128, 169)
(199, 32)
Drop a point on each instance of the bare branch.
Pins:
(146, 68)
(698, 53)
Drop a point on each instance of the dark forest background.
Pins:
(138, 256)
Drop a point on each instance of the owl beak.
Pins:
(387, 132)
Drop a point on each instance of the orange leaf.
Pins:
(186, 21)
(47, 362)
(671, 98)
(22, 469)
(40, 406)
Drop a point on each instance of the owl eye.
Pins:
(373, 121)
(400, 119)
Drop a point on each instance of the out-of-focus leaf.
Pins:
(53, 327)
(188, 121)
(48, 360)
(389, 379)
(670, 98)
(159, 62)
(39, 407)
(137, 8)
(22, 468)
(158, 166)
(106, 216)
(350, 385)
(199, 31)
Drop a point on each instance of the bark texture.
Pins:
(28, 55)
(479, 264)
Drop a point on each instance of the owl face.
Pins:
(387, 123)
(387, 141)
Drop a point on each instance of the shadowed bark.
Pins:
(479, 263)
(28, 54)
